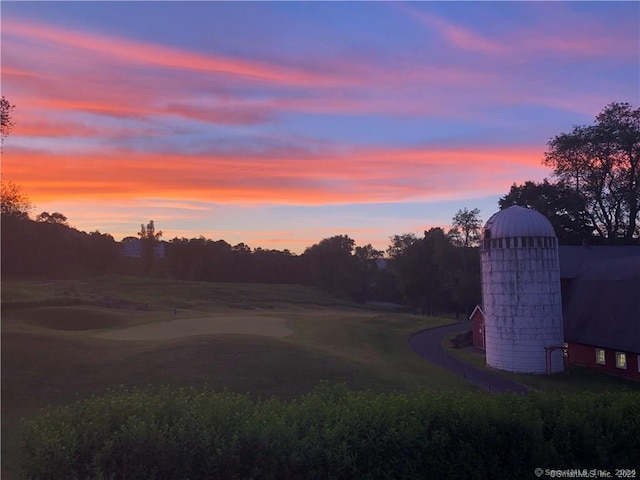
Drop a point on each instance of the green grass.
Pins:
(50, 355)
(576, 380)
(159, 293)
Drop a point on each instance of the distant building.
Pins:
(600, 290)
(132, 247)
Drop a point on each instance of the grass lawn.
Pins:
(576, 379)
(64, 340)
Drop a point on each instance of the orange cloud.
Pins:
(351, 176)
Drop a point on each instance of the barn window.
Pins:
(600, 359)
(621, 360)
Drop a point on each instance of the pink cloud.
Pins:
(89, 77)
(105, 75)
(551, 37)
(459, 37)
(240, 114)
(140, 53)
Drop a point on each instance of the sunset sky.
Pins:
(278, 124)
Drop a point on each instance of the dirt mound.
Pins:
(71, 318)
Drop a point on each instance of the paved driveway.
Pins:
(427, 344)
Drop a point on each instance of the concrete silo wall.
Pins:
(522, 304)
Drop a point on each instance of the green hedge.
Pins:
(332, 433)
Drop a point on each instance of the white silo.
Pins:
(521, 292)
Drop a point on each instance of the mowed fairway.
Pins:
(64, 340)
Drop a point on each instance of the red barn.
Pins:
(477, 327)
(601, 308)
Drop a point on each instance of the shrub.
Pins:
(331, 433)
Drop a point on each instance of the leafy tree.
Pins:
(53, 249)
(331, 265)
(14, 202)
(217, 261)
(366, 260)
(150, 239)
(149, 232)
(560, 203)
(55, 217)
(6, 120)
(466, 228)
(102, 252)
(407, 257)
(242, 249)
(602, 163)
(422, 265)
(433, 274)
(464, 280)
(440, 263)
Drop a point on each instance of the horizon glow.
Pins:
(278, 124)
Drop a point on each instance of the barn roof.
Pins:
(478, 309)
(601, 301)
(517, 221)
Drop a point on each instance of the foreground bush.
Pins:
(333, 433)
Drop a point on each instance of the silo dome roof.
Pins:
(518, 221)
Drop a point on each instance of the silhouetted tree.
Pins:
(6, 119)
(14, 202)
(366, 263)
(602, 163)
(434, 275)
(150, 239)
(52, 249)
(466, 228)
(464, 279)
(440, 259)
(331, 265)
(561, 204)
(406, 259)
(54, 217)
(102, 252)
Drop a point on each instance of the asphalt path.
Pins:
(428, 344)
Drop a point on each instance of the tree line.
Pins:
(429, 274)
(593, 197)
